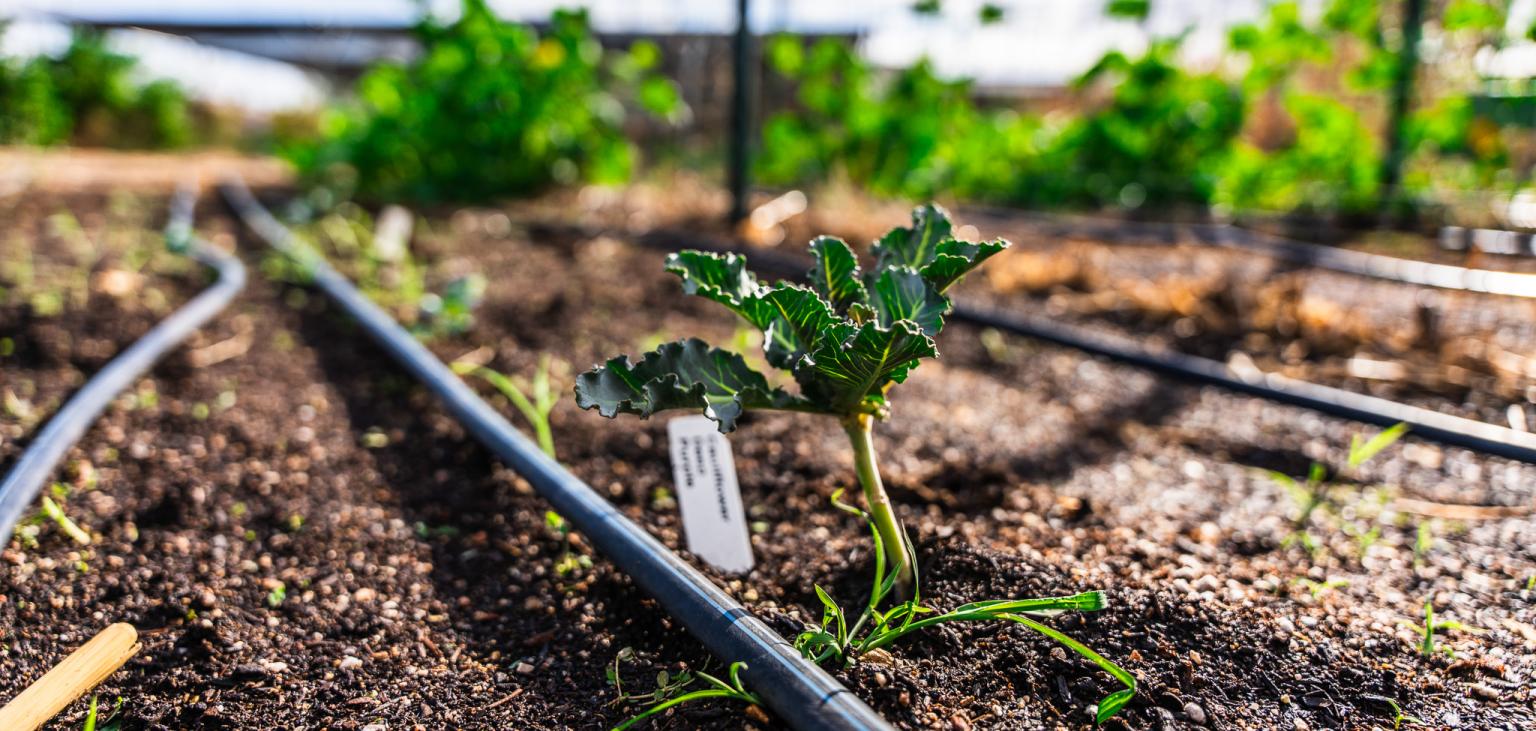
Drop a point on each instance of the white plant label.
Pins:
(704, 473)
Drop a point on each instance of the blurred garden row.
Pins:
(1325, 110)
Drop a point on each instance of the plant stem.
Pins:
(545, 436)
(897, 555)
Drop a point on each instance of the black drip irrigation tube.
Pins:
(1365, 264)
(800, 692)
(1444, 428)
(30, 473)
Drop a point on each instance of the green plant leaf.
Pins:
(916, 246)
(927, 247)
(1360, 453)
(836, 273)
(902, 294)
(853, 364)
(830, 613)
(723, 278)
(1128, 9)
(798, 318)
(687, 374)
(956, 258)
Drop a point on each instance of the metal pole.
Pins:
(741, 115)
(1402, 99)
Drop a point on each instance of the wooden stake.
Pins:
(83, 670)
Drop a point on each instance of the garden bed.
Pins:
(420, 583)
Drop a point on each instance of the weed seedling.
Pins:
(1398, 717)
(535, 399)
(452, 312)
(569, 561)
(838, 641)
(846, 339)
(278, 594)
(669, 689)
(1432, 626)
(1423, 541)
(1314, 496)
(110, 723)
(56, 514)
(425, 531)
(1365, 538)
(1319, 588)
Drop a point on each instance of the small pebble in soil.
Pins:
(1195, 712)
(351, 663)
(878, 656)
(1302, 725)
(523, 668)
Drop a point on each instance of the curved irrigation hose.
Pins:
(1365, 264)
(801, 693)
(1453, 430)
(30, 473)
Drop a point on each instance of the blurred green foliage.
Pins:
(894, 135)
(1291, 120)
(913, 134)
(88, 96)
(490, 108)
(1160, 139)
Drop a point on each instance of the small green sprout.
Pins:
(1432, 626)
(147, 397)
(425, 531)
(535, 399)
(874, 629)
(16, 407)
(1362, 451)
(1423, 542)
(1398, 717)
(110, 723)
(570, 561)
(846, 339)
(1365, 539)
(278, 594)
(668, 687)
(1319, 588)
(927, 7)
(1314, 496)
(452, 312)
(55, 513)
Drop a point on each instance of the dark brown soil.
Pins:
(420, 580)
